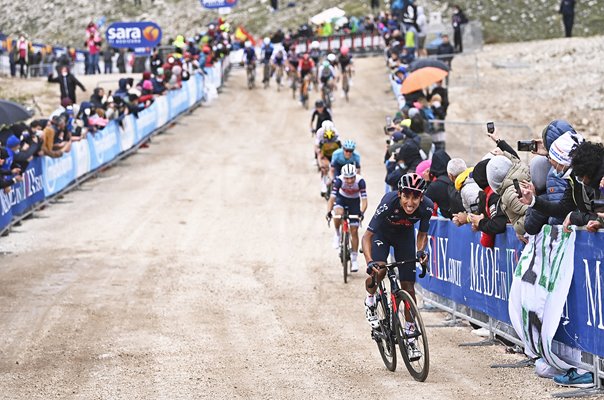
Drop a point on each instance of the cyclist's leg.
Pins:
(380, 249)
(354, 208)
(338, 209)
(404, 249)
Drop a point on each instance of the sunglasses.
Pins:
(348, 151)
(416, 194)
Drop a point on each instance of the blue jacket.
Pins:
(554, 130)
(555, 188)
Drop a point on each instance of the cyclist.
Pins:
(345, 62)
(328, 143)
(249, 55)
(343, 156)
(266, 53)
(349, 191)
(305, 66)
(315, 52)
(393, 226)
(320, 113)
(327, 74)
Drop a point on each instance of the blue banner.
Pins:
(133, 34)
(57, 173)
(582, 325)
(461, 269)
(24, 195)
(218, 3)
(104, 145)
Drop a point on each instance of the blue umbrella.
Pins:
(11, 113)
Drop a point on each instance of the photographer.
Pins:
(579, 203)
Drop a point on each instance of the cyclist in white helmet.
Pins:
(349, 191)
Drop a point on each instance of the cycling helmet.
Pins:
(248, 44)
(319, 104)
(331, 57)
(315, 45)
(267, 41)
(349, 145)
(328, 134)
(326, 63)
(349, 171)
(327, 124)
(412, 181)
(344, 50)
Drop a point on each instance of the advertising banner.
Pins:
(104, 145)
(146, 122)
(57, 173)
(218, 3)
(133, 34)
(24, 195)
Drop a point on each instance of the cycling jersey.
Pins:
(278, 58)
(345, 61)
(356, 190)
(305, 65)
(338, 160)
(324, 116)
(315, 54)
(328, 72)
(391, 218)
(267, 52)
(328, 147)
(249, 55)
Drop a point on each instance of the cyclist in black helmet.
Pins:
(393, 226)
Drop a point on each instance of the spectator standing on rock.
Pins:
(121, 61)
(67, 82)
(108, 60)
(567, 9)
(23, 56)
(458, 20)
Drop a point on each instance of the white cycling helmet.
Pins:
(315, 45)
(248, 44)
(327, 125)
(267, 41)
(349, 171)
(331, 57)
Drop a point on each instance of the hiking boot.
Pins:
(372, 317)
(573, 379)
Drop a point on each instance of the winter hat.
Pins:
(497, 169)
(147, 85)
(539, 167)
(480, 174)
(560, 149)
(413, 112)
(66, 101)
(146, 75)
(406, 123)
(423, 166)
(12, 141)
(398, 136)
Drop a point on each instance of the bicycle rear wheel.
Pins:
(412, 342)
(384, 337)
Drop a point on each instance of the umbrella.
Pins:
(422, 78)
(11, 113)
(328, 15)
(428, 62)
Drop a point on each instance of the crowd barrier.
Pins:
(356, 42)
(46, 176)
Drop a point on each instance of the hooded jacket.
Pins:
(510, 203)
(441, 190)
(495, 220)
(469, 190)
(409, 153)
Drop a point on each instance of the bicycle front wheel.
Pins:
(412, 338)
(345, 255)
(384, 337)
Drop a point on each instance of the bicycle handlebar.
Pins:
(400, 264)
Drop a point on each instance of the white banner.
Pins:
(539, 290)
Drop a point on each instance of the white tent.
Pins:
(328, 15)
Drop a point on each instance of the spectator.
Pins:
(410, 15)
(8, 175)
(567, 9)
(422, 32)
(13, 56)
(108, 60)
(459, 173)
(98, 98)
(458, 20)
(54, 144)
(501, 172)
(120, 63)
(441, 189)
(445, 51)
(156, 61)
(490, 218)
(586, 185)
(67, 82)
(407, 160)
(23, 48)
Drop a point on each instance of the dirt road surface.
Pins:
(202, 268)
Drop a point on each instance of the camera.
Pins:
(490, 127)
(527, 145)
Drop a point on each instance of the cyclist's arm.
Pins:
(312, 119)
(363, 205)
(422, 240)
(363, 193)
(366, 243)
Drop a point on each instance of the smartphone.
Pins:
(388, 121)
(527, 145)
(490, 127)
(517, 187)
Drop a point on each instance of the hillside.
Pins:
(64, 21)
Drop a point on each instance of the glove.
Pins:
(421, 254)
(371, 265)
(361, 217)
(328, 216)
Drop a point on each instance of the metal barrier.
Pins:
(357, 43)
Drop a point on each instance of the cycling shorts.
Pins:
(403, 244)
(325, 79)
(305, 72)
(352, 205)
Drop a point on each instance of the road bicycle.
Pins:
(345, 241)
(266, 75)
(346, 83)
(394, 310)
(304, 91)
(326, 94)
(294, 85)
(279, 76)
(250, 70)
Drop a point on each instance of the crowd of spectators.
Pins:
(73, 121)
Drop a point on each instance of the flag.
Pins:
(539, 289)
(242, 35)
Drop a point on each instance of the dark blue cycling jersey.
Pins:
(390, 217)
(249, 54)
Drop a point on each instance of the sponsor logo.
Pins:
(378, 243)
(133, 34)
(56, 169)
(218, 3)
